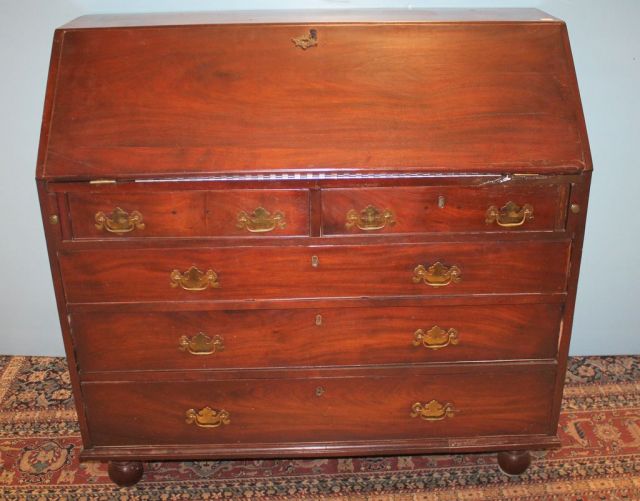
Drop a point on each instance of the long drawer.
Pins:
(188, 274)
(380, 405)
(125, 341)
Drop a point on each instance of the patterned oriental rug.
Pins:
(599, 429)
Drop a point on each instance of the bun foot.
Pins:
(514, 462)
(125, 473)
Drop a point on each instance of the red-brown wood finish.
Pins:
(374, 406)
(193, 119)
(514, 462)
(443, 209)
(125, 473)
(112, 341)
(184, 100)
(190, 213)
(166, 214)
(341, 271)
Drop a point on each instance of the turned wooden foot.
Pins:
(514, 462)
(125, 473)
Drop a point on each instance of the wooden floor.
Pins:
(599, 429)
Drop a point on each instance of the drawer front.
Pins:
(316, 409)
(134, 275)
(134, 215)
(372, 211)
(112, 341)
(235, 213)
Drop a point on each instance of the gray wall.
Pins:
(606, 45)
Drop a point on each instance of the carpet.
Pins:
(599, 459)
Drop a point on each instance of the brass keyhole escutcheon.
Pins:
(306, 41)
(315, 261)
(319, 391)
(318, 320)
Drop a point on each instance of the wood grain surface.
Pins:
(432, 115)
(443, 209)
(196, 100)
(373, 406)
(249, 273)
(190, 213)
(112, 341)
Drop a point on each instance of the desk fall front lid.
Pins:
(166, 96)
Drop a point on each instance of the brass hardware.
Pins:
(201, 344)
(119, 221)
(370, 218)
(308, 41)
(441, 202)
(437, 275)
(432, 411)
(102, 181)
(261, 220)
(510, 215)
(315, 261)
(207, 417)
(319, 391)
(54, 219)
(194, 280)
(435, 338)
(575, 208)
(318, 320)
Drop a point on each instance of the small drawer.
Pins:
(266, 272)
(99, 215)
(126, 341)
(373, 405)
(229, 213)
(372, 211)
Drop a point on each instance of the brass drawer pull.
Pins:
(194, 280)
(207, 417)
(261, 220)
(432, 411)
(437, 275)
(370, 218)
(201, 344)
(510, 215)
(119, 221)
(435, 338)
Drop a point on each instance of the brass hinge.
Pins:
(102, 181)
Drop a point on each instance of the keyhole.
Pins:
(315, 262)
(318, 320)
(441, 202)
(319, 391)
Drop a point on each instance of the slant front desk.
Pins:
(314, 233)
